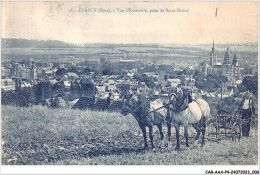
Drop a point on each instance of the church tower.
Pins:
(33, 72)
(227, 57)
(236, 69)
(213, 56)
(235, 61)
(227, 66)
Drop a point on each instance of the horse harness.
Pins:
(185, 106)
(167, 107)
(160, 115)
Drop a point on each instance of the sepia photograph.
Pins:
(130, 83)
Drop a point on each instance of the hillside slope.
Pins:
(37, 135)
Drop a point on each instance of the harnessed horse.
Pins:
(145, 118)
(195, 114)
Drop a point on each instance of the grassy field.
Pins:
(165, 53)
(37, 135)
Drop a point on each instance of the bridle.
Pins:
(172, 99)
(130, 103)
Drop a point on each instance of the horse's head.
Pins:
(129, 104)
(172, 100)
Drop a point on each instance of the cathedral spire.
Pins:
(213, 56)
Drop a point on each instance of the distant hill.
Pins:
(24, 43)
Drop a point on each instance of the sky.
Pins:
(224, 22)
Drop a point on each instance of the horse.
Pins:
(196, 114)
(154, 116)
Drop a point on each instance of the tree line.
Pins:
(38, 93)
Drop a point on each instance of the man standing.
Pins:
(247, 108)
(109, 99)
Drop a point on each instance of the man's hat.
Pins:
(246, 93)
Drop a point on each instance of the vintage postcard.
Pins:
(130, 83)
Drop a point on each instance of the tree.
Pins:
(74, 70)
(86, 71)
(107, 68)
(87, 87)
(230, 104)
(75, 89)
(123, 88)
(200, 83)
(8, 98)
(183, 80)
(21, 98)
(188, 71)
(43, 90)
(137, 76)
(198, 75)
(212, 83)
(32, 97)
(61, 90)
(251, 83)
(61, 72)
(165, 77)
(241, 88)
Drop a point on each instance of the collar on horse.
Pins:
(182, 105)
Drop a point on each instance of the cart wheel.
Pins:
(212, 129)
(236, 132)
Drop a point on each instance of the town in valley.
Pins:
(220, 76)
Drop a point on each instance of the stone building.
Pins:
(228, 68)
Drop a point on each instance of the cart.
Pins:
(228, 125)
